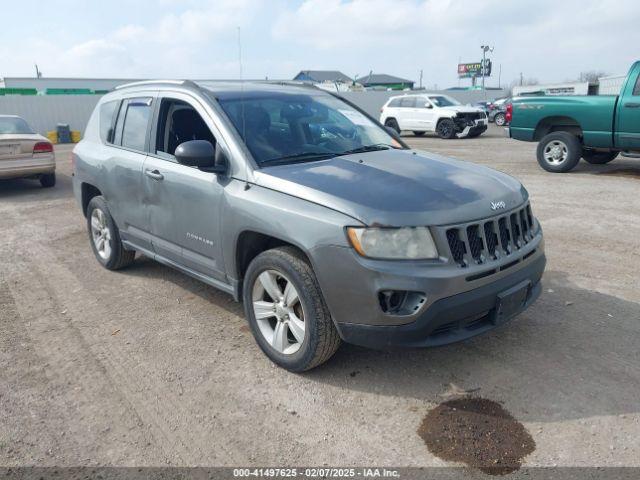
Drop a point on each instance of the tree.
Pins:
(591, 76)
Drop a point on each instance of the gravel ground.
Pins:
(149, 367)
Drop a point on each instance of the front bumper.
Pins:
(451, 319)
(442, 293)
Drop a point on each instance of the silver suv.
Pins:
(321, 221)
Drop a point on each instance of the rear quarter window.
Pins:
(395, 103)
(107, 114)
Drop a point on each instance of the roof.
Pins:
(323, 76)
(381, 78)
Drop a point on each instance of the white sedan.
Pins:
(24, 153)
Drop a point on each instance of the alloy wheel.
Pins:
(101, 234)
(278, 312)
(555, 152)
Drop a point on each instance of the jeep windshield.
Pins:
(281, 127)
(443, 101)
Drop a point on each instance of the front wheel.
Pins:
(500, 119)
(392, 123)
(559, 152)
(105, 237)
(446, 128)
(286, 311)
(598, 158)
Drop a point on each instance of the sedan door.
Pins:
(184, 202)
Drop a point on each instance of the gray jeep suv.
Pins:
(326, 225)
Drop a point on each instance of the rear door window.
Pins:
(636, 88)
(136, 123)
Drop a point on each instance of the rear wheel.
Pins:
(598, 158)
(446, 128)
(286, 311)
(392, 123)
(500, 119)
(105, 237)
(559, 152)
(475, 134)
(418, 134)
(48, 180)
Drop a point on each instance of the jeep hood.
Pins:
(397, 187)
(461, 109)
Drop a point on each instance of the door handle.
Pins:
(632, 105)
(155, 174)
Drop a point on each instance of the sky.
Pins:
(550, 41)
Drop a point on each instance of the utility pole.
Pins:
(485, 49)
(521, 79)
(499, 75)
(420, 79)
(38, 72)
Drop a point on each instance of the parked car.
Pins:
(24, 153)
(433, 113)
(322, 222)
(596, 128)
(498, 111)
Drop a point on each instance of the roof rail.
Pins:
(152, 82)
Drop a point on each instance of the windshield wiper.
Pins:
(368, 148)
(300, 158)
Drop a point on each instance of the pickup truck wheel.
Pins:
(559, 152)
(105, 237)
(500, 119)
(446, 128)
(286, 311)
(48, 180)
(598, 158)
(392, 123)
(418, 134)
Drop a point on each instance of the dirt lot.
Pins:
(149, 367)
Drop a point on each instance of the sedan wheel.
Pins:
(278, 312)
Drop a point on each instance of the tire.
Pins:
(279, 267)
(418, 134)
(500, 119)
(598, 158)
(476, 134)
(392, 123)
(559, 152)
(110, 253)
(446, 128)
(48, 180)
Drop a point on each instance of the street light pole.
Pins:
(485, 49)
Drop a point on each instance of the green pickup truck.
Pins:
(596, 127)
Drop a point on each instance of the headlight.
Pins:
(393, 243)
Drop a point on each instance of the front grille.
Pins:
(471, 115)
(492, 238)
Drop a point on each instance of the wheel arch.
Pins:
(557, 124)
(251, 243)
(88, 191)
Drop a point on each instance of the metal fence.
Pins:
(44, 112)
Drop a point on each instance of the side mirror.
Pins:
(428, 105)
(201, 154)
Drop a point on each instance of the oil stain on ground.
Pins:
(478, 432)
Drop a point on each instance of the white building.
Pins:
(611, 85)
